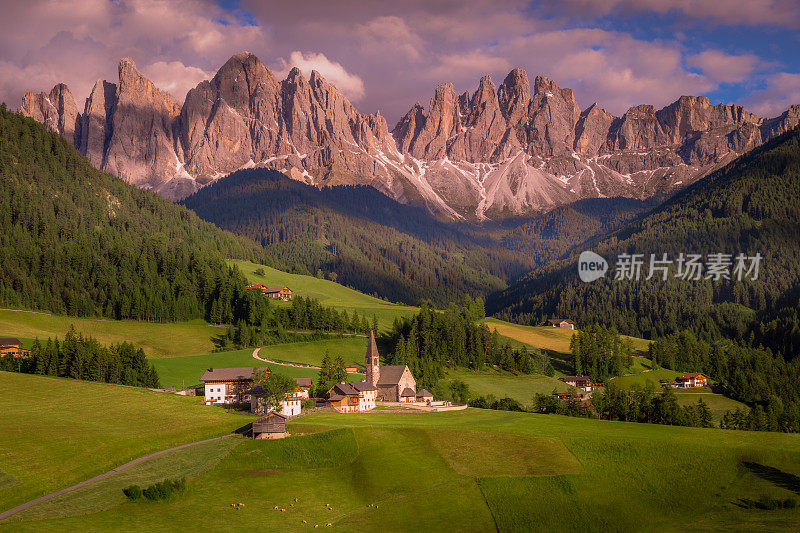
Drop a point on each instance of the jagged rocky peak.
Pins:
(56, 110)
(514, 96)
(591, 130)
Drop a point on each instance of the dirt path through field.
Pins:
(18, 508)
(255, 355)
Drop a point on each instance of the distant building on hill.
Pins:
(582, 382)
(560, 323)
(303, 387)
(276, 293)
(351, 369)
(353, 397)
(12, 347)
(395, 383)
(691, 380)
(229, 385)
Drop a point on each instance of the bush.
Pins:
(134, 492)
(164, 489)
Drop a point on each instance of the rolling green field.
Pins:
(158, 340)
(55, 432)
(475, 470)
(547, 338)
(521, 387)
(183, 372)
(653, 376)
(328, 293)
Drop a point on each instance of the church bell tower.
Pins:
(372, 361)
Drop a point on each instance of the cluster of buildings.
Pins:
(12, 347)
(388, 383)
(276, 293)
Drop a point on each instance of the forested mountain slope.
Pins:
(750, 206)
(368, 240)
(77, 241)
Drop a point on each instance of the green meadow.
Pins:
(157, 340)
(521, 387)
(183, 372)
(472, 470)
(55, 432)
(328, 293)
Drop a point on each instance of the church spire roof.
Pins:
(372, 347)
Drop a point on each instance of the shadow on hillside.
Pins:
(561, 362)
(778, 477)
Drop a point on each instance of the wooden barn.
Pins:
(271, 425)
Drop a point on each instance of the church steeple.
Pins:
(372, 361)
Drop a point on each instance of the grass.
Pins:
(471, 454)
(183, 372)
(328, 293)
(548, 338)
(401, 471)
(55, 432)
(107, 492)
(654, 377)
(157, 340)
(521, 387)
(718, 403)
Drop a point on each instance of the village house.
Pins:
(351, 369)
(303, 387)
(276, 293)
(291, 406)
(229, 385)
(270, 426)
(691, 380)
(12, 347)
(353, 397)
(424, 396)
(584, 383)
(395, 383)
(561, 323)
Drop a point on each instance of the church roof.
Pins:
(391, 374)
(408, 392)
(372, 347)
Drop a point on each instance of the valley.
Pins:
(262, 291)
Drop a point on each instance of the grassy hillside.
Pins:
(328, 293)
(55, 432)
(186, 371)
(158, 340)
(477, 470)
(521, 387)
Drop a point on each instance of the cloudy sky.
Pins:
(387, 55)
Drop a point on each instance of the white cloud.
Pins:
(349, 84)
(724, 68)
(175, 77)
(782, 90)
(390, 33)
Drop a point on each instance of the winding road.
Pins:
(270, 361)
(18, 508)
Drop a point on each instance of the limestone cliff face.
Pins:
(56, 110)
(498, 151)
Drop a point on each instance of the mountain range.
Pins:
(497, 152)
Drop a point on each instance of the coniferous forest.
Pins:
(80, 357)
(77, 241)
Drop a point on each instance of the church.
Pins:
(395, 383)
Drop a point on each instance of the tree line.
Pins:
(80, 357)
(432, 340)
